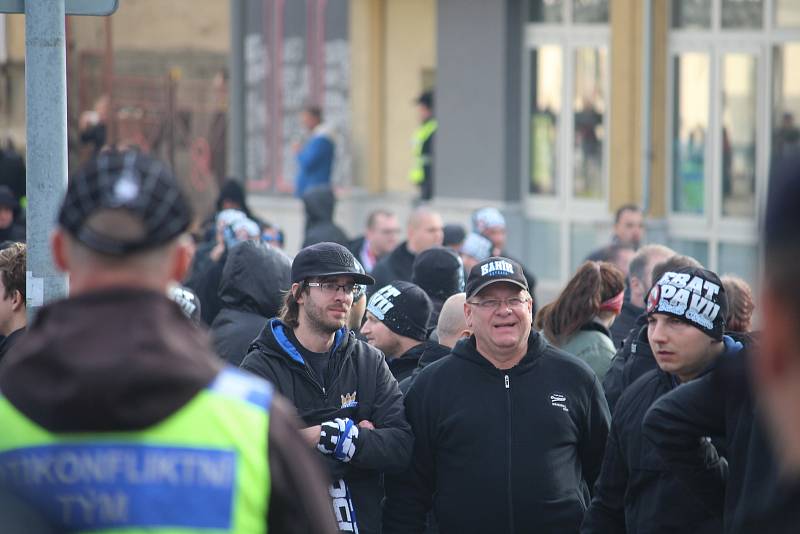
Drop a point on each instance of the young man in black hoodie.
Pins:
(636, 491)
(397, 319)
(760, 427)
(341, 386)
(509, 431)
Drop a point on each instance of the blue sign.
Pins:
(73, 7)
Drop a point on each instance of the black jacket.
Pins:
(722, 402)
(434, 353)
(320, 203)
(403, 366)
(634, 359)
(625, 321)
(254, 280)
(500, 451)
(355, 370)
(9, 341)
(397, 265)
(636, 492)
(126, 359)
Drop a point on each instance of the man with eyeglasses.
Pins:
(509, 431)
(341, 386)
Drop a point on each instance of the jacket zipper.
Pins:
(508, 442)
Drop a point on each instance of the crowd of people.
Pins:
(406, 381)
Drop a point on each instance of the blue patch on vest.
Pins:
(232, 382)
(98, 486)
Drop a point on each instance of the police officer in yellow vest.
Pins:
(115, 414)
(422, 171)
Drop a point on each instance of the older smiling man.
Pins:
(509, 431)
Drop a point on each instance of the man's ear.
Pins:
(17, 301)
(468, 315)
(58, 247)
(465, 333)
(295, 289)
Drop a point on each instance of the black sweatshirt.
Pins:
(636, 492)
(502, 451)
(358, 386)
(722, 403)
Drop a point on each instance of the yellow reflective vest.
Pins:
(423, 133)
(202, 469)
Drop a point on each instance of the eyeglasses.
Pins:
(493, 304)
(331, 288)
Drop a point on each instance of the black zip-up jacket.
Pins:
(722, 402)
(636, 492)
(625, 322)
(633, 360)
(511, 451)
(402, 367)
(433, 353)
(359, 386)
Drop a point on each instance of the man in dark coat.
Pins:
(636, 490)
(254, 280)
(424, 230)
(341, 387)
(439, 271)
(639, 283)
(397, 324)
(320, 204)
(509, 431)
(760, 425)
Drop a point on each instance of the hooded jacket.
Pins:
(722, 403)
(512, 451)
(636, 491)
(634, 359)
(320, 204)
(359, 387)
(254, 280)
(315, 160)
(126, 359)
(434, 353)
(403, 366)
(624, 322)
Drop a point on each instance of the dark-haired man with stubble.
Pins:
(341, 386)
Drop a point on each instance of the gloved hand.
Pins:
(339, 438)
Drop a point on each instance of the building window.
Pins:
(731, 61)
(567, 129)
(546, 80)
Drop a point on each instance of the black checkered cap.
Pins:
(125, 180)
(324, 260)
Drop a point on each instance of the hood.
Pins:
(467, 350)
(255, 278)
(319, 203)
(432, 351)
(273, 340)
(118, 359)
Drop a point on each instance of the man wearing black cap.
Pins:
(422, 172)
(509, 431)
(114, 381)
(636, 490)
(440, 273)
(397, 324)
(342, 387)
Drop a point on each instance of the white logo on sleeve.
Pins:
(559, 401)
